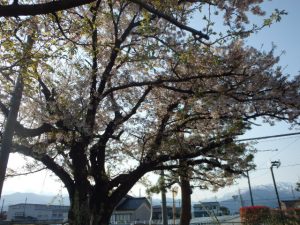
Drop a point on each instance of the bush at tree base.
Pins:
(256, 215)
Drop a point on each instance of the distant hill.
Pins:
(18, 197)
(262, 195)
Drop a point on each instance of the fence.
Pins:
(44, 222)
(221, 220)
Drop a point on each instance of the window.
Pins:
(123, 217)
(19, 213)
(57, 215)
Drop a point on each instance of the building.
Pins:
(37, 212)
(132, 209)
(157, 212)
(207, 209)
(129, 209)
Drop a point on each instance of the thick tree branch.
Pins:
(39, 9)
(22, 131)
(26, 173)
(170, 80)
(94, 99)
(115, 52)
(63, 32)
(171, 19)
(137, 105)
(124, 182)
(55, 6)
(94, 95)
(49, 163)
(199, 152)
(160, 133)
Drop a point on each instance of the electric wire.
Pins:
(268, 137)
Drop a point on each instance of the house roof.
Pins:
(132, 203)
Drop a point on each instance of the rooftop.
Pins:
(132, 203)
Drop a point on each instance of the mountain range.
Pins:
(262, 195)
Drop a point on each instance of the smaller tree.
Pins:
(298, 186)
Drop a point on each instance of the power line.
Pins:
(285, 148)
(278, 139)
(266, 150)
(257, 176)
(257, 198)
(267, 137)
(297, 164)
(291, 165)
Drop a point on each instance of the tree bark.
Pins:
(9, 128)
(39, 9)
(186, 191)
(15, 102)
(87, 211)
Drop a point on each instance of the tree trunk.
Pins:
(186, 191)
(87, 211)
(15, 102)
(9, 128)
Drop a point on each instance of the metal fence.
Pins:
(222, 220)
(44, 222)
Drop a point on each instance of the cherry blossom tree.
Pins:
(118, 89)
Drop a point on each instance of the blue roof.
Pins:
(132, 203)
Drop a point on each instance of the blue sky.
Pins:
(286, 36)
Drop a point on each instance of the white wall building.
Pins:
(37, 212)
(129, 209)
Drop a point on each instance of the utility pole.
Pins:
(174, 193)
(250, 190)
(151, 210)
(275, 164)
(2, 206)
(25, 207)
(235, 198)
(241, 198)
